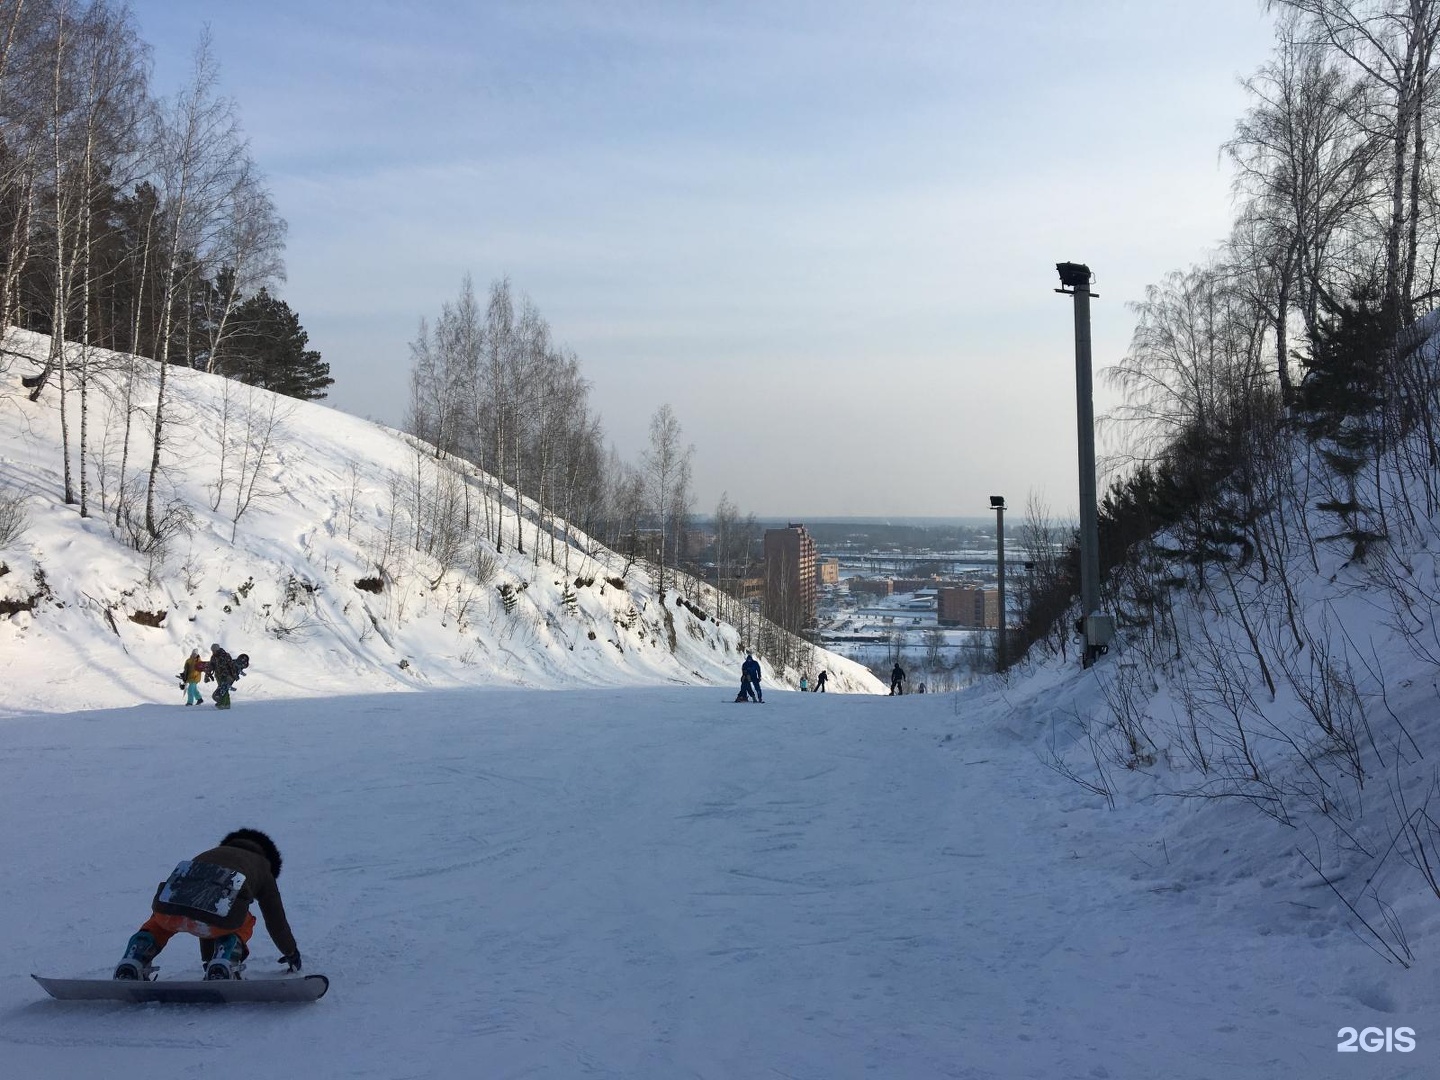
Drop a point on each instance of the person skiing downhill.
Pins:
(209, 897)
(750, 676)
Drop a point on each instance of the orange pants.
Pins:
(164, 927)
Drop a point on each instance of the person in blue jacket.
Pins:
(750, 677)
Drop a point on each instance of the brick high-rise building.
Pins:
(790, 577)
(966, 605)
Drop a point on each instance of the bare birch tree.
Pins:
(666, 466)
(200, 163)
(1391, 45)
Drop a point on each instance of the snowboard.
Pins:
(188, 991)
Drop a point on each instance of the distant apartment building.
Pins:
(827, 570)
(968, 606)
(790, 577)
(870, 586)
(915, 584)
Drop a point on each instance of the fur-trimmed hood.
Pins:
(256, 841)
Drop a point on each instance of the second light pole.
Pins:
(997, 503)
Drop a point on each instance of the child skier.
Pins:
(194, 669)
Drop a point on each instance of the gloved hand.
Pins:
(293, 960)
(209, 676)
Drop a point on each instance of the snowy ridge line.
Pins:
(299, 536)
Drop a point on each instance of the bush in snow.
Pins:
(13, 518)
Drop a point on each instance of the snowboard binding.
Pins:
(222, 969)
(134, 971)
(135, 965)
(227, 960)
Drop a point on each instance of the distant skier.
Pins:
(209, 896)
(820, 681)
(897, 680)
(750, 677)
(804, 683)
(190, 678)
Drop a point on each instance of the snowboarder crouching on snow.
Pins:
(209, 896)
(194, 669)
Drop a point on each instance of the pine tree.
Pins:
(1341, 403)
(1344, 371)
(268, 350)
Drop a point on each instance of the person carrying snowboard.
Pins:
(226, 671)
(190, 678)
(897, 680)
(750, 676)
(209, 896)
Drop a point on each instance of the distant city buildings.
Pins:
(870, 586)
(968, 606)
(790, 577)
(915, 584)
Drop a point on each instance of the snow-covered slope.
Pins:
(650, 883)
(333, 502)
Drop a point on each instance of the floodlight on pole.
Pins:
(997, 503)
(1075, 280)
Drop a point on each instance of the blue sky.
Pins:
(825, 233)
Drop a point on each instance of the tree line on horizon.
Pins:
(490, 386)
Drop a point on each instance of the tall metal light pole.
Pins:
(1075, 280)
(997, 503)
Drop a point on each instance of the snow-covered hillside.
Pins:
(327, 504)
(1282, 691)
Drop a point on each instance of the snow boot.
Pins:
(228, 958)
(135, 965)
